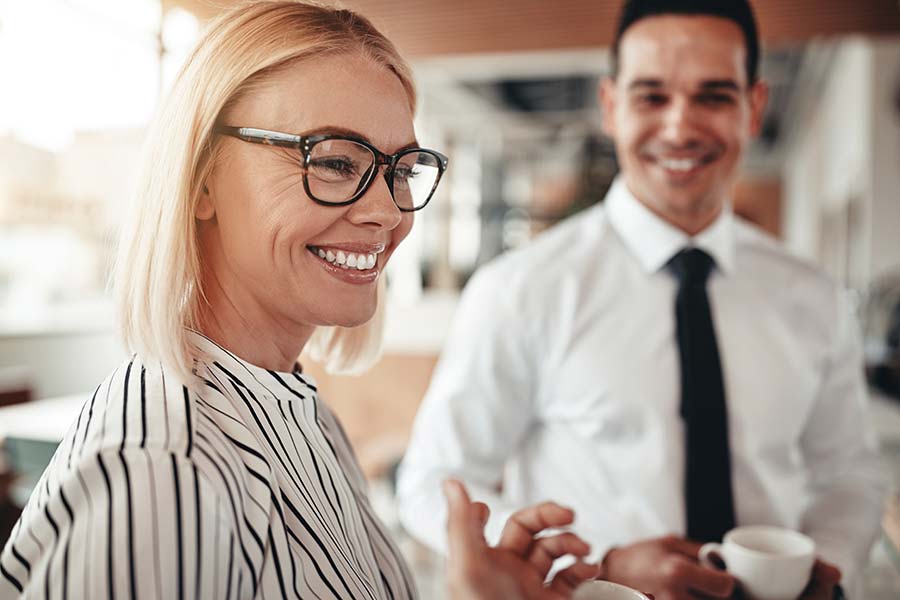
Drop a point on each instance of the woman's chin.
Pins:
(352, 318)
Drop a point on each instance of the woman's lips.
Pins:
(350, 267)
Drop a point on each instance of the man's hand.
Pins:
(821, 584)
(667, 568)
(516, 568)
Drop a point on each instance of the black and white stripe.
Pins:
(247, 488)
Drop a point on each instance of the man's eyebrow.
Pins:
(708, 85)
(645, 83)
(720, 84)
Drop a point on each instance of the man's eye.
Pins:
(651, 100)
(715, 99)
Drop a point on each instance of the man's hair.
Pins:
(738, 11)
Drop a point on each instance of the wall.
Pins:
(885, 242)
(841, 181)
(59, 363)
(759, 201)
(377, 408)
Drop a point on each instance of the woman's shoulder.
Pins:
(139, 405)
(133, 471)
(141, 423)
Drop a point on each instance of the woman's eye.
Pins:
(334, 164)
(404, 173)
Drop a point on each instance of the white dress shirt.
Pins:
(560, 381)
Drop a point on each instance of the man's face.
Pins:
(681, 111)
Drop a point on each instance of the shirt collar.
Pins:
(653, 241)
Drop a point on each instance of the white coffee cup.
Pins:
(606, 590)
(771, 563)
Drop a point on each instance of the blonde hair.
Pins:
(157, 272)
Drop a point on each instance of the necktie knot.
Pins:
(692, 266)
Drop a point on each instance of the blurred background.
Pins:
(508, 91)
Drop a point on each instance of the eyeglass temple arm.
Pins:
(262, 136)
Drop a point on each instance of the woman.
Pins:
(282, 174)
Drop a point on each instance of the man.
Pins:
(656, 363)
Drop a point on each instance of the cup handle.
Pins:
(711, 549)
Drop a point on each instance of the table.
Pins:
(30, 433)
(45, 420)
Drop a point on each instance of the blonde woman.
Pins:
(282, 174)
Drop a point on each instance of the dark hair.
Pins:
(738, 11)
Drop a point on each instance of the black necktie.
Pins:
(708, 495)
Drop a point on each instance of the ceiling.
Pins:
(535, 101)
(539, 85)
(444, 27)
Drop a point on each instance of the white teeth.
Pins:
(679, 164)
(347, 260)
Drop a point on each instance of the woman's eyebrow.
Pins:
(334, 129)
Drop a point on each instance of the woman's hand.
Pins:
(516, 568)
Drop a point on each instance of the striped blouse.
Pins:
(246, 489)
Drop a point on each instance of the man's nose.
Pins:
(678, 122)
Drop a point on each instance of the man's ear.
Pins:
(759, 97)
(205, 209)
(606, 97)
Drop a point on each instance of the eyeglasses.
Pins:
(338, 170)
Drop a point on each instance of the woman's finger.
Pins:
(567, 581)
(465, 527)
(570, 578)
(519, 531)
(545, 550)
(483, 512)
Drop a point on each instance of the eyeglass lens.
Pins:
(338, 169)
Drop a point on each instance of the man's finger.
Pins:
(702, 580)
(522, 526)
(826, 573)
(682, 546)
(465, 529)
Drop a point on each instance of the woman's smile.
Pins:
(353, 263)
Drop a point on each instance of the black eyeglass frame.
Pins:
(305, 144)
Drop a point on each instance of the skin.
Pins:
(266, 292)
(516, 568)
(682, 96)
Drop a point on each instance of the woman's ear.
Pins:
(205, 209)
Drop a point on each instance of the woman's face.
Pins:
(260, 234)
